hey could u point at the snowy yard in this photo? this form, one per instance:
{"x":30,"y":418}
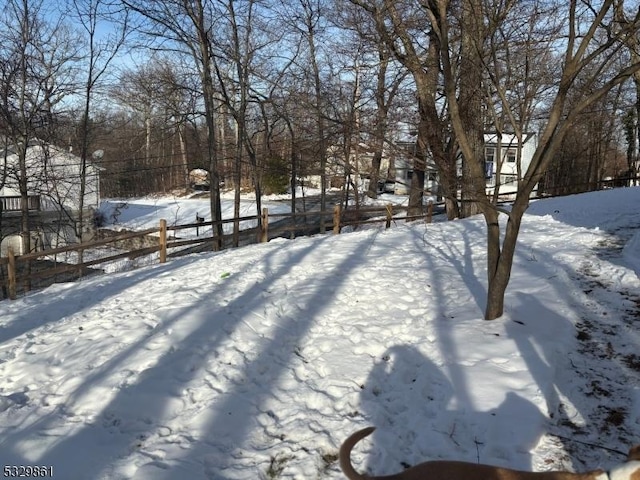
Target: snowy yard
{"x":142,"y":213}
{"x":257,"y":363}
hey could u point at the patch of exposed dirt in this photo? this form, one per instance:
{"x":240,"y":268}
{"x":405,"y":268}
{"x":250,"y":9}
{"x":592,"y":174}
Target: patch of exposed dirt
{"x":594,"y":423}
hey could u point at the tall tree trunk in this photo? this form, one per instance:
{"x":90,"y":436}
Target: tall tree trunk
{"x":500,"y":261}
{"x":25,"y":227}
{"x":208,"y":90}
{"x":416,"y":189}
{"x":374,"y":176}
{"x":184,"y":181}
{"x":294,"y":172}
{"x":471,"y":95}
{"x":320,"y":122}
{"x":382,"y":110}
{"x":237,"y":180}
{"x":632,"y":42}
{"x":633,"y":167}
{"x":432,"y":128}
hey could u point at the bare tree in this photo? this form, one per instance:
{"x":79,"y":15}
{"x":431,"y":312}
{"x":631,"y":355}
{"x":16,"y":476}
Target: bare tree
{"x":589,"y":149}
{"x":234,"y":63}
{"x":36,"y":64}
{"x":632,"y":122}
{"x":588,"y":52}
{"x":178,"y":100}
{"x":307,"y":19}
{"x":100,"y":54}
{"x":382,"y":82}
{"x":630,"y":126}
{"x":139,"y":90}
{"x":520,"y":67}
{"x":401,"y":28}
{"x":468,"y":85}
{"x":458,"y":57}
{"x":186,"y":26}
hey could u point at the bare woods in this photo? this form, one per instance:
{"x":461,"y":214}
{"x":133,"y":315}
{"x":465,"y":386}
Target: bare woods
{"x":270,"y":95}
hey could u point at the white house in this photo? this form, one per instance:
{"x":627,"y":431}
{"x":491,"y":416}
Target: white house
{"x":53,"y":183}
{"x":359,"y":165}
{"x":504,"y":160}
{"x":403,"y":167}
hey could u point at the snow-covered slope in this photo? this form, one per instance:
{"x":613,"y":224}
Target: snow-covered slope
{"x":257,"y":363}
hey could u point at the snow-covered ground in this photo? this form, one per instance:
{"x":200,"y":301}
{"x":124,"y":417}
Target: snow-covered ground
{"x":257,"y":363}
{"x":136,"y":214}
{"x":143,"y":213}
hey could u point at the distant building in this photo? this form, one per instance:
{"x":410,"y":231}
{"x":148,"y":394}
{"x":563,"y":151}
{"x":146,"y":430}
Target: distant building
{"x":357,"y":168}
{"x":504,"y":160}
{"x":53,"y":196}
{"x":403,"y":167}
{"x":501,"y":165}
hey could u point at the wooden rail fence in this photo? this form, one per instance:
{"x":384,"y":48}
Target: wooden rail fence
{"x":17,"y":272}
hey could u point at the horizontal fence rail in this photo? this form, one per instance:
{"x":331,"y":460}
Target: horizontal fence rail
{"x":33,"y":270}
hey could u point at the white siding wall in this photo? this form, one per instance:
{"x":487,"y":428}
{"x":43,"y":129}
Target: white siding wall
{"x":508,"y":174}
{"x":54,"y":174}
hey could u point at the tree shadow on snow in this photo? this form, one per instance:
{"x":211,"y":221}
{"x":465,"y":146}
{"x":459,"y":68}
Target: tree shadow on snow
{"x":41,"y":308}
{"x":421,"y":416}
{"x":595,"y":374}
{"x":568,"y":407}
{"x":457,"y":252}
{"x":587,"y":409}
{"x":138,"y":413}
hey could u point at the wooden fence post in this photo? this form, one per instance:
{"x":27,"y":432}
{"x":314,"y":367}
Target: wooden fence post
{"x":199,"y":220}
{"x":163,"y":241}
{"x":389,"y":215}
{"x":336,"y":219}
{"x":11,"y":273}
{"x":264,"y":228}
{"x":429,"y":212}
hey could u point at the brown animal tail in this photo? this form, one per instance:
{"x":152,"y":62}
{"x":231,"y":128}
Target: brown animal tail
{"x":345,"y":453}
{"x":634,"y":453}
